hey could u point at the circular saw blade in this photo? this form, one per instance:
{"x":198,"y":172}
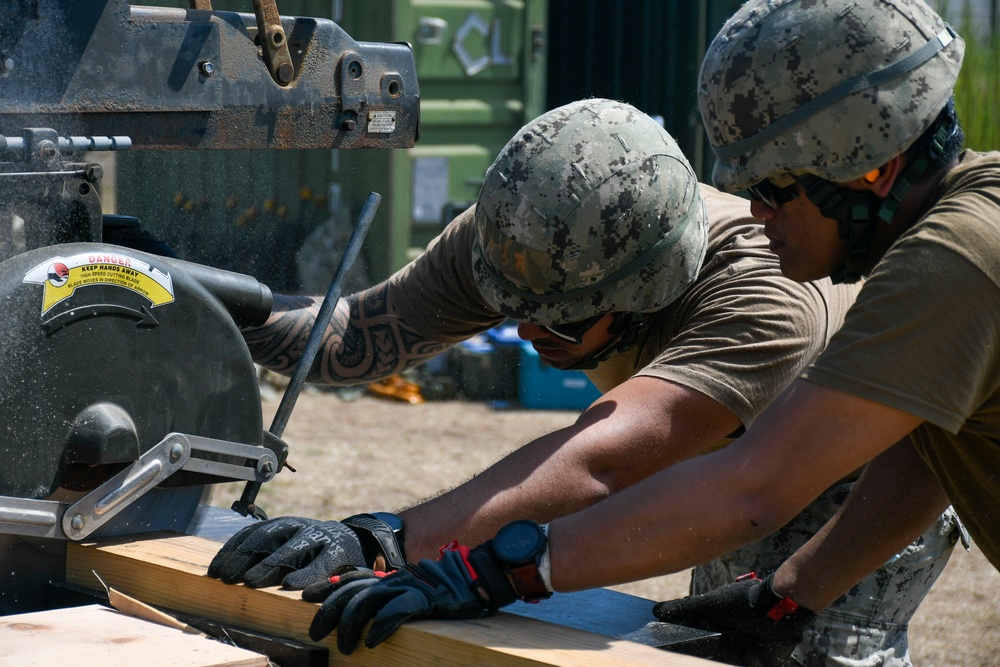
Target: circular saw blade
{"x":170,"y":509}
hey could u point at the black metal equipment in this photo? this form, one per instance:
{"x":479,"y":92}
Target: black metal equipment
{"x":173,"y":78}
{"x":127,"y":386}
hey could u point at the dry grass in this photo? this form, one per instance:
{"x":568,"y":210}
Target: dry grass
{"x":373,"y":454}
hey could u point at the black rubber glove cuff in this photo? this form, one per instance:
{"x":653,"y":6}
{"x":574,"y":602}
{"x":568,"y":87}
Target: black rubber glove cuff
{"x":780,"y":607}
{"x":492,"y":576}
{"x":381,"y":534}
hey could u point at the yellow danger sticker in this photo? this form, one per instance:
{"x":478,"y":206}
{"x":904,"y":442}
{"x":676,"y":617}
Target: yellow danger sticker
{"x":62,"y":276}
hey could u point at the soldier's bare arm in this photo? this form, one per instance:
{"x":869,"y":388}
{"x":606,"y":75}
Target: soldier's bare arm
{"x":700,"y":509}
{"x":630,"y":433}
{"x":895,"y":500}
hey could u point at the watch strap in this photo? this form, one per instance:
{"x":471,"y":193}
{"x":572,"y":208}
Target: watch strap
{"x":492,"y":576}
{"x":545,"y":562}
{"x":528,"y":582}
{"x":378,"y":538}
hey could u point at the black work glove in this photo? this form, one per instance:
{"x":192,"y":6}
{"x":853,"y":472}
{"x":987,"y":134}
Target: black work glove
{"x":759,"y":626}
{"x":292,"y":551}
{"x":461,"y":584}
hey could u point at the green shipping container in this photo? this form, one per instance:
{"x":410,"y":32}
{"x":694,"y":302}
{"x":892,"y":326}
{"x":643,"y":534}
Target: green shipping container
{"x":481,"y":69}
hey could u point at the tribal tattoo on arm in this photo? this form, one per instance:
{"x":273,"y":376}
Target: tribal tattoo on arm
{"x":365,"y":341}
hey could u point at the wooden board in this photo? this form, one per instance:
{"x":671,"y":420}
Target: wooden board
{"x":169,"y":571}
{"x":96,"y":636}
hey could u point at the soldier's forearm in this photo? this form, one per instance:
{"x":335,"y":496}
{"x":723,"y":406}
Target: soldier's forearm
{"x":365,"y":340}
{"x":895,"y":500}
{"x":278,"y":343}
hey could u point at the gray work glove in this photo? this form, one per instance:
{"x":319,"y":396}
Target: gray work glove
{"x":292,"y":551}
{"x":759,"y":627}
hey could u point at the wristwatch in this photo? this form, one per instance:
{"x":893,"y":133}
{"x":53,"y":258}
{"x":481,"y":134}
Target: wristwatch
{"x":519,"y":547}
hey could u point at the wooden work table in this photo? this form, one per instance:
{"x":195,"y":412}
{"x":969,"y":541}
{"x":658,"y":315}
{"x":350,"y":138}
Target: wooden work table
{"x":169,"y":571}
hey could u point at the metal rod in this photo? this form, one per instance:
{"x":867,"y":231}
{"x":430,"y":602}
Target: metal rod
{"x":325,"y":315}
{"x":246,"y":505}
{"x":116,"y":143}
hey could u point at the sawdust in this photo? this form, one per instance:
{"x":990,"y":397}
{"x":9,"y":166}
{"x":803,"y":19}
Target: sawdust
{"x":356,"y":453}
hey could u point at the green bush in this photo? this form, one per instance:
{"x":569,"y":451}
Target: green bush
{"x":977,"y":92}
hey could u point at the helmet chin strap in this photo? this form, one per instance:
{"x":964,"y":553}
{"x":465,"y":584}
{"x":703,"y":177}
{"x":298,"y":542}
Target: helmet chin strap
{"x":624,"y":332}
{"x":857,"y":212}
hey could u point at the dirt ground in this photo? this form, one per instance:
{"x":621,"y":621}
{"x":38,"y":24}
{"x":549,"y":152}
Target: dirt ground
{"x":357,"y":453}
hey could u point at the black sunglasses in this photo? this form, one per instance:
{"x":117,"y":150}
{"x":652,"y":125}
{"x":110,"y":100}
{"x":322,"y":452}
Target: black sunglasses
{"x":573,"y":332}
{"x":773,"y":195}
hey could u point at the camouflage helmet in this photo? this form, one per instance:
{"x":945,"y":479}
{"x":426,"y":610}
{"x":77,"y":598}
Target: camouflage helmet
{"x":833,"y":88}
{"x":591,"y":208}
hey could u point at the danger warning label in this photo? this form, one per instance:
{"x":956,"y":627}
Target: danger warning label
{"x":62,"y":276}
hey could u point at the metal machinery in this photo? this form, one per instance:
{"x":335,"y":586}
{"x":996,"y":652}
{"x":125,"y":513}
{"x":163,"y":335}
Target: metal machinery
{"x":126,"y":386}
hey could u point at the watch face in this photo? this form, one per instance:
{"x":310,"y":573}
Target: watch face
{"x":519,"y":542}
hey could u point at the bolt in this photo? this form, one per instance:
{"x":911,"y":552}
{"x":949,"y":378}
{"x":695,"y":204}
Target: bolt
{"x":93,"y":173}
{"x":77,"y":523}
{"x":206,"y":68}
{"x":348,"y":125}
{"x":285,"y":72}
{"x":47,"y":150}
{"x":176,"y":452}
{"x":266,"y":467}
{"x":7,"y":65}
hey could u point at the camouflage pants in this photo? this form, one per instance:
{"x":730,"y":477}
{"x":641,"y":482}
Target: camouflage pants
{"x":866,"y":627}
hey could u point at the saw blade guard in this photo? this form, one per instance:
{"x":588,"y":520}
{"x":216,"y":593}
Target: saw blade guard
{"x":108,"y":350}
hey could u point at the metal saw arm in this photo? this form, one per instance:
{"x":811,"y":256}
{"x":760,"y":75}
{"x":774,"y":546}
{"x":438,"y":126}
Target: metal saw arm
{"x":176,"y":452}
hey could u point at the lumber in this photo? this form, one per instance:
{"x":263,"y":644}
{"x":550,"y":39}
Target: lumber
{"x":96,"y":636}
{"x":169,"y":571}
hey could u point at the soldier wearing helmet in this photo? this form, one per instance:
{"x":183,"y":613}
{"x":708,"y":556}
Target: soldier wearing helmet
{"x":592,"y":232}
{"x":797,"y":106}
{"x":591,"y":228}
{"x":837,"y":117}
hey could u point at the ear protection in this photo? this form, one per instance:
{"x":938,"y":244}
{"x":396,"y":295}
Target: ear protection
{"x":873,"y":175}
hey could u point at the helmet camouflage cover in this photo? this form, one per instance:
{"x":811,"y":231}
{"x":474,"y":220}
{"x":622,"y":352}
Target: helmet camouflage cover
{"x":832,"y":88}
{"x":591,"y":208}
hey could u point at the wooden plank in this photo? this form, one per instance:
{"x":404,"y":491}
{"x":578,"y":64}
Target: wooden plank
{"x":169,"y":571}
{"x":95,"y":636}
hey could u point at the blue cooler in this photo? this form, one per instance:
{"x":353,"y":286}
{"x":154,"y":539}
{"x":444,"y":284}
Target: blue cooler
{"x":541,"y":387}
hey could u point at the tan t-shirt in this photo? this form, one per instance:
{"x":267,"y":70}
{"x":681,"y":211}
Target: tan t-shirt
{"x":924,"y":337}
{"x":740,"y":334}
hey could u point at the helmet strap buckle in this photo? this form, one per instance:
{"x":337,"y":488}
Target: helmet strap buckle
{"x":855,"y":213}
{"x":624,"y":332}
